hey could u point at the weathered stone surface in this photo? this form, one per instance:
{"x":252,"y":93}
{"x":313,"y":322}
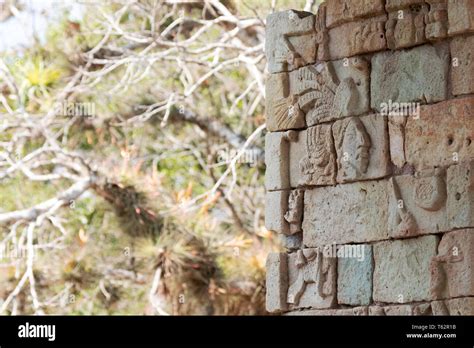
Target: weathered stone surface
{"x":436,"y":20}
{"x":311,"y":279}
{"x":462,"y":75}
{"x":460,"y":184}
{"x":416,"y":75}
{"x":282,"y":108}
{"x":276,"y":204}
{"x":406,"y":28}
{"x":343,"y":11}
{"x":277,"y":149}
{"x":402,"y":269}
{"x":327,"y":91}
{"x":277,"y":282}
{"x":460,"y":16}
{"x":452,"y":269}
{"x":418,"y":204}
{"x":356,"y":311}
{"x":290,"y":40}
{"x":396,"y":135}
{"x":456,"y":306}
{"x":442,"y":135}
{"x":292,"y":242}
{"x":354,"y":278}
{"x":408,"y":309}
{"x":312,"y":158}
{"x":349,"y":213}
{"x":356,"y":38}
{"x":362,"y":148}
{"x":392,"y":5}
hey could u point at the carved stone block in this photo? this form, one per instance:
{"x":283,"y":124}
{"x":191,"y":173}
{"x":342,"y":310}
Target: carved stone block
{"x":311,"y":279}
{"x":452,"y":269}
{"x":442,"y":135}
{"x":354,"y":278}
{"x":343,"y":11}
{"x":402,"y":269}
{"x":462,"y":76}
{"x":418,"y":204}
{"x":408,"y":309}
{"x":292,"y":40}
{"x":396,"y":135}
{"x":332,"y":90}
{"x":312,"y":158}
{"x":460,"y":16}
{"x":436,"y":20}
{"x":349,"y":213}
{"x":416,"y":75}
{"x":277,"y":282}
{"x":282,"y":108}
{"x":277,"y":150}
{"x":461,"y":195}
{"x":455,"y":306}
{"x":406,"y":28}
{"x":356,"y":38}
{"x":362,"y":148}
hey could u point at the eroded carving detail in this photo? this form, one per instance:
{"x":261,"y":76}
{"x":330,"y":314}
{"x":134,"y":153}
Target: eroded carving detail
{"x":353,"y":146}
{"x":405,"y":224}
{"x":294,"y":214}
{"x":312,"y":268}
{"x":436,"y":20}
{"x":367,"y":37}
{"x":294,"y":39}
{"x":406,"y":28}
{"x":430,"y":190}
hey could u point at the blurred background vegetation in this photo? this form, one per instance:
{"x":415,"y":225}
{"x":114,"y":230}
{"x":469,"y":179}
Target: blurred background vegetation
{"x":157,"y":231}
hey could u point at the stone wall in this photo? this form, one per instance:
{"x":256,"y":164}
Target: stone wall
{"x":370,"y":161}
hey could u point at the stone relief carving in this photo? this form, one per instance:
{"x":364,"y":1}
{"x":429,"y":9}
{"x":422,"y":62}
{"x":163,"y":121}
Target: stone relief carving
{"x":294,"y":214}
{"x":318,"y":165}
{"x":331,"y":90}
{"x":452,"y":272}
{"x":425,"y":211}
{"x":356,"y":38}
{"x":404,"y":224}
{"x":342,"y":11}
{"x":353,"y":144}
{"x":406,"y":27}
{"x":430,"y":192}
{"x":288,"y":40}
{"x":282,"y":109}
{"x":308,"y":267}
{"x":436,"y":20}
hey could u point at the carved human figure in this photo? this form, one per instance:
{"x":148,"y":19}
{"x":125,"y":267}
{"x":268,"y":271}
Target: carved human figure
{"x":406,"y":28}
{"x":312,"y":267}
{"x":367,"y":36}
{"x":354,"y":144}
{"x":294,"y":214}
{"x":317,"y":166}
